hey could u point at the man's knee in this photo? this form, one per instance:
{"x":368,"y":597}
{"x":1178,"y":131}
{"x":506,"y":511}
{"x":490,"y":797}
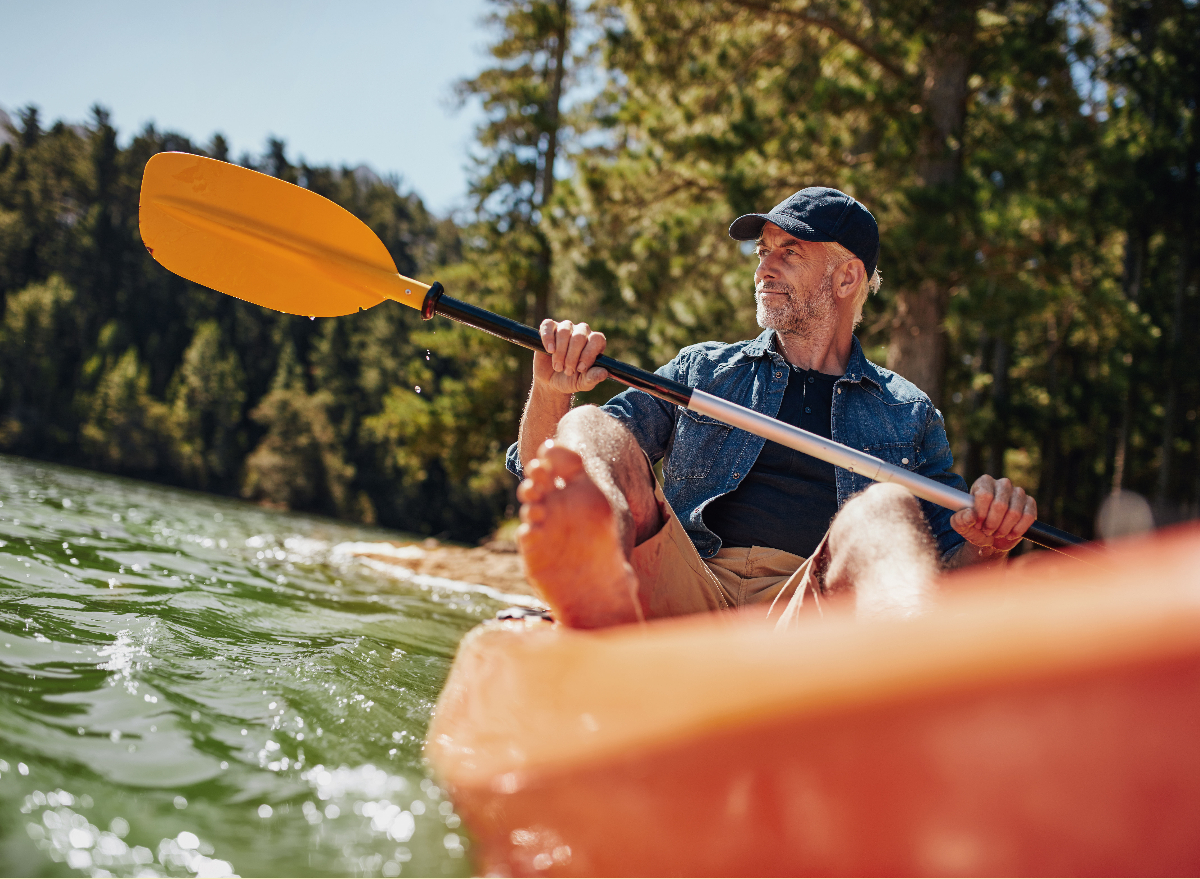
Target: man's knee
{"x":880,"y":501}
{"x":587,"y":421}
{"x":880,"y":546}
{"x":613,"y":459}
{"x":880,"y":514}
{"x":591,"y":430}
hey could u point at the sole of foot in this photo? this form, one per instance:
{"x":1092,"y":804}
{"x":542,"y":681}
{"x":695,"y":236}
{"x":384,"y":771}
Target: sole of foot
{"x":569,"y":543}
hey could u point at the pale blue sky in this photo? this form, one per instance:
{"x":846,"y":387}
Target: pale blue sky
{"x":346,"y":82}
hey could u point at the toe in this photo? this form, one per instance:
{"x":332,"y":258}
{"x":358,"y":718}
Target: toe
{"x":540,"y":474}
{"x":563,"y":463}
{"x":533,"y":514}
{"x":530,"y":492}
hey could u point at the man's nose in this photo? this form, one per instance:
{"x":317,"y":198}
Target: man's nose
{"x":767,"y":268}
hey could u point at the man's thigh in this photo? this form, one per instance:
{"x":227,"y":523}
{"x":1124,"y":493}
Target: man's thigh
{"x":672,"y":578}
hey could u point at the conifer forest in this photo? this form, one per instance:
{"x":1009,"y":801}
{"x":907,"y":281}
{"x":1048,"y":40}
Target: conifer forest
{"x":1033,"y":167}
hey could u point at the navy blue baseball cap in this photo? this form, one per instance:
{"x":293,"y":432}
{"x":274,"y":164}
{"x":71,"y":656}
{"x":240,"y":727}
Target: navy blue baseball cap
{"x":818,"y":213}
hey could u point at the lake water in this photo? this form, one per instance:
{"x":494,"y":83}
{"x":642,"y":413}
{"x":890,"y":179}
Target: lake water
{"x":191,"y":686}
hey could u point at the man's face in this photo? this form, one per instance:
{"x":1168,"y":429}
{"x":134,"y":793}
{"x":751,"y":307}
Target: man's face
{"x":793,"y":288}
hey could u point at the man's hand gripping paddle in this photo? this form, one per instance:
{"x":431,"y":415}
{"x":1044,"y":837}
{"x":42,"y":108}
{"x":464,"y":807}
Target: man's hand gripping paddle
{"x":288,"y":249}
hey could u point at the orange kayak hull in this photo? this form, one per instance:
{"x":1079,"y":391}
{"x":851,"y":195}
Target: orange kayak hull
{"x":1039,"y":722}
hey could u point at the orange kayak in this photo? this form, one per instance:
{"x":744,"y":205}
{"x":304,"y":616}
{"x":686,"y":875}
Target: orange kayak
{"x":1042,"y":721}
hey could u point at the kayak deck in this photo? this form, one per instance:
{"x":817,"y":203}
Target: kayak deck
{"x":1041,"y":721}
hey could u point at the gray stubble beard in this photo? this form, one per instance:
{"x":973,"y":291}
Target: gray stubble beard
{"x":799,"y":316}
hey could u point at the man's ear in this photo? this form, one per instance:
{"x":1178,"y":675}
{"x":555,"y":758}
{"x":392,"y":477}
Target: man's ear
{"x":848,"y":277}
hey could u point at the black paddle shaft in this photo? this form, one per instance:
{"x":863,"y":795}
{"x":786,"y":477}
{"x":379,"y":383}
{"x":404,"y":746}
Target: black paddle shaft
{"x":528,"y":337}
{"x":436,"y":302}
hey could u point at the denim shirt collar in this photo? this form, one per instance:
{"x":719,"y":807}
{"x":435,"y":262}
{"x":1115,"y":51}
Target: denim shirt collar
{"x":857,"y":368}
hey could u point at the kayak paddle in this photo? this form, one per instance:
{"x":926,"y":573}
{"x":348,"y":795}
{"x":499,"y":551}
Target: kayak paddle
{"x":286,"y":248}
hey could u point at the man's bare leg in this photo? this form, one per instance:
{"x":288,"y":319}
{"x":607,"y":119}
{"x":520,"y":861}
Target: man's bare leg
{"x":587,"y":500}
{"x":882,"y":553}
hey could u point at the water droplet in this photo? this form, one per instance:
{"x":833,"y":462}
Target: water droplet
{"x":181,"y":802}
{"x":312,"y":317}
{"x":265,"y":811}
{"x":417,"y":389}
{"x":426,"y":355}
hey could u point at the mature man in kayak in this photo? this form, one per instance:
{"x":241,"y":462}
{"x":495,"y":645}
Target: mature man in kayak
{"x":741,"y":522}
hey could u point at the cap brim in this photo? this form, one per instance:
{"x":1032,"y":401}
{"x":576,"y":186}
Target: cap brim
{"x":747,"y":227}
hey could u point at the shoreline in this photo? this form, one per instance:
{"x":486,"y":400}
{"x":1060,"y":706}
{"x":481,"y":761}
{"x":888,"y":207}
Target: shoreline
{"x":496,"y":564}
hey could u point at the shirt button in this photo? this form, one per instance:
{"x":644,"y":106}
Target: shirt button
{"x":839,"y":390}
{"x":810,"y":379}
{"x":737,"y":476}
{"x":904,"y":460}
{"x":779,"y":375}
{"x":808,"y":408}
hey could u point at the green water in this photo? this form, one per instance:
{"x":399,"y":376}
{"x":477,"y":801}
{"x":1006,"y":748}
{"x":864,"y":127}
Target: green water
{"x":194,"y":686}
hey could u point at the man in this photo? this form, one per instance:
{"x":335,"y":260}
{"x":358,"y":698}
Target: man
{"x":740,"y":522}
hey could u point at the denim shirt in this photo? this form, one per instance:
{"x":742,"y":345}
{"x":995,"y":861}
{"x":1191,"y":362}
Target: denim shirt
{"x":873,"y":409}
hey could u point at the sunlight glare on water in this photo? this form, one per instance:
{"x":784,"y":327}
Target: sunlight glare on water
{"x":192,"y":686}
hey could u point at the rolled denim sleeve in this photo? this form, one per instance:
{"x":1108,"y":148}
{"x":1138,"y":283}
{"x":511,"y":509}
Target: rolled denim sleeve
{"x":649,"y":419}
{"x":938,"y":461}
{"x":513,"y":462}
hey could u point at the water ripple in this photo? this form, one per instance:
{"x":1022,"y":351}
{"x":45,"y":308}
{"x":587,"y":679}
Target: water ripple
{"x":195,"y":686}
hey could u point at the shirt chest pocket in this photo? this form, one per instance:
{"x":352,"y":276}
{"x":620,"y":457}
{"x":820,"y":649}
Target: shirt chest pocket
{"x":904,"y":455}
{"x":699,"y":442}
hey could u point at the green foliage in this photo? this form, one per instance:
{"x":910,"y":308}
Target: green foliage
{"x":207,"y":399}
{"x":1004,"y":198}
{"x":124,"y":429}
{"x":109,"y":361}
{"x":37,"y":320}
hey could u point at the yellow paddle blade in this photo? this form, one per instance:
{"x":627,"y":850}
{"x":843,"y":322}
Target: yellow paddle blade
{"x":265,"y":240}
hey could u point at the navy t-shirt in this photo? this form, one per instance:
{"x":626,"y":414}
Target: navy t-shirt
{"x":788,"y":498}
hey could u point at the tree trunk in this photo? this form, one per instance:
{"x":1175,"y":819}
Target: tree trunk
{"x":1000,"y":408}
{"x":1050,"y":477}
{"x":1173,"y":356}
{"x":1135,"y":261}
{"x":541,"y":303}
{"x":1174,"y":352}
{"x":917,"y":348}
{"x":973,"y":462}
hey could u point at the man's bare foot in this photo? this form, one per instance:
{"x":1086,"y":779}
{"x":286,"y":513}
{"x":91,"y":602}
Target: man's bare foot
{"x":570,"y":545}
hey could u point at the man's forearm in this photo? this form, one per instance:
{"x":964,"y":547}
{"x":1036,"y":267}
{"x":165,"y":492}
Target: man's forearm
{"x":539,"y":422}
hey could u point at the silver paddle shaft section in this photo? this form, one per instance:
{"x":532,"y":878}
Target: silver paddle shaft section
{"x":828,"y":451}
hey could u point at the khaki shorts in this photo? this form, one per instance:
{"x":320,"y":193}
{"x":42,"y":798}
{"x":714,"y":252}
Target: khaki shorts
{"x":674,"y":580}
